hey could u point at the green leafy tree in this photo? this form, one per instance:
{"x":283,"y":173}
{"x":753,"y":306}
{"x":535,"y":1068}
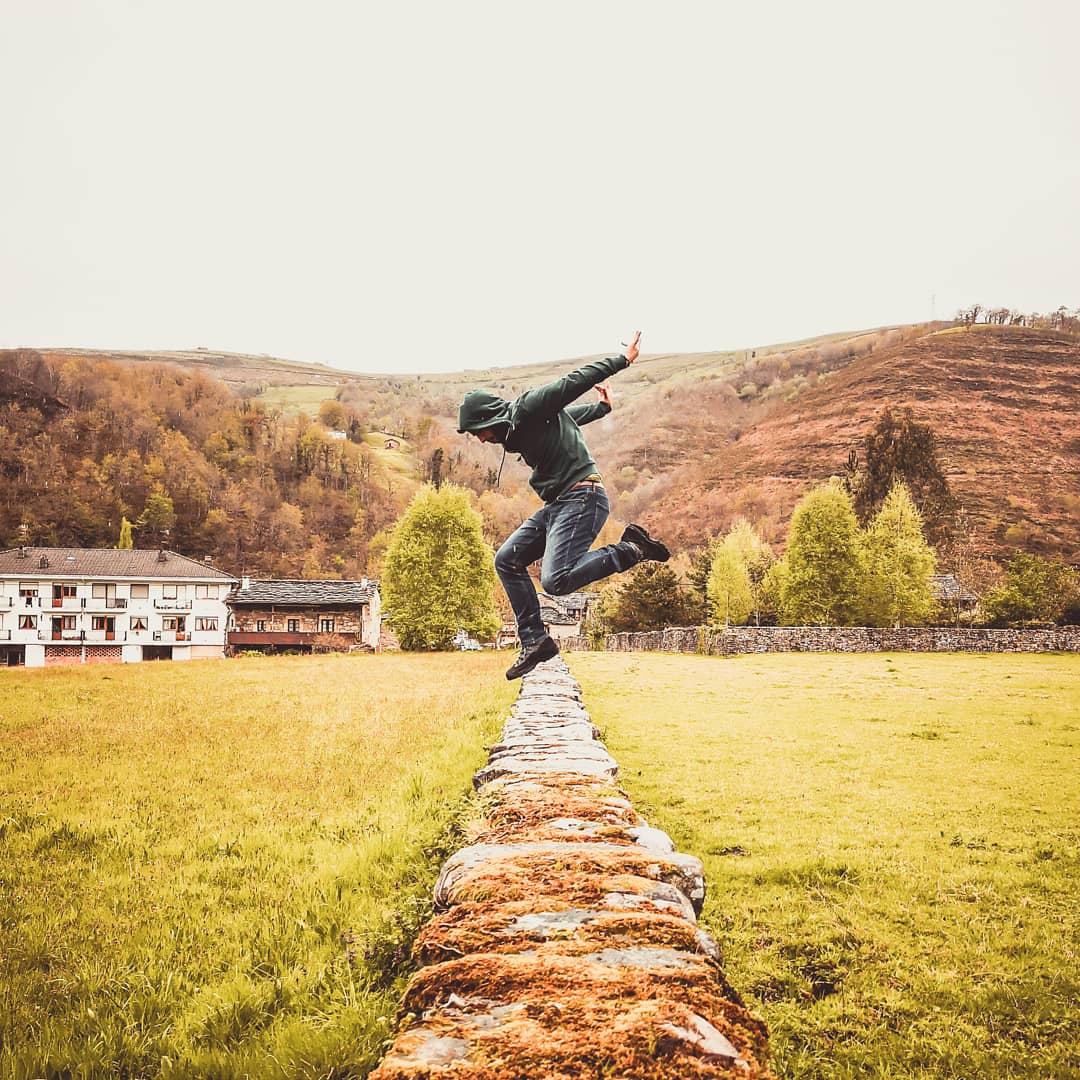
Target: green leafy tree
{"x":1035,"y":590}
{"x":821,"y":579}
{"x":125,"y":543}
{"x":649,"y":598}
{"x":729,"y":590}
{"x":158,"y":517}
{"x":439,"y":574}
{"x":897,"y":565}
{"x":740,"y":564}
{"x":900,"y":450}
{"x":697,"y":576}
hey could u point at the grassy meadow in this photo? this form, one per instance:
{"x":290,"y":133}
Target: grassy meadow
{"x":891,"y":842}
{"x":215,"y":869}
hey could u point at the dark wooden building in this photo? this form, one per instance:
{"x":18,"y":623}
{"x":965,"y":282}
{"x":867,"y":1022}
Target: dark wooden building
{"x":302,"y":616}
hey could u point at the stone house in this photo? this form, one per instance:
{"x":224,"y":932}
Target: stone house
{"x":297,"y":615}
{"x":104,"y":605}
{"x":956,"y":600}
{"x":564,"y":615}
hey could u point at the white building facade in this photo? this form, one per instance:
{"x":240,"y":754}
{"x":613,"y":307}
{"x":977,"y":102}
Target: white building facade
{"x":61,"y":606}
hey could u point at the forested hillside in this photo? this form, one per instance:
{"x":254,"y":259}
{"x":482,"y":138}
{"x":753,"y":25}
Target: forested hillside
{"x":299,"y":470}
{"x":1002,"y":400}
{"x":190,"y":463}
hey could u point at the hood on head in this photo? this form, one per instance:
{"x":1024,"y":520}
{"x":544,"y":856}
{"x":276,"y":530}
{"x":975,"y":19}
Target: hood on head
{"x":481,"y":409}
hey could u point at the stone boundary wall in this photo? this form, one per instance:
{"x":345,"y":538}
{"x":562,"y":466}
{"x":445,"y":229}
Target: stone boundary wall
{"x":565,"y":943}
{"x":738,"y":640}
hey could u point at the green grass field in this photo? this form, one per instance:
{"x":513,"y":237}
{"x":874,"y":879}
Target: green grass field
{"x":294,"y":399}
{"x":215,"y":869}
{"x":892,"y":845}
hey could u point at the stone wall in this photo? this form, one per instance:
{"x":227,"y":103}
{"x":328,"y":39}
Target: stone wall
{"x":737,"y":640}
{"x":565,"y":944}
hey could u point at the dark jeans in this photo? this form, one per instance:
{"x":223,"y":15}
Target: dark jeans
{"x":562,"y":532}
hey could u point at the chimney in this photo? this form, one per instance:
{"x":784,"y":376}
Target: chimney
{"x":22,"y":553}
{"x":162,"y":555}
{"x":207,"y":560}
{"x":43,"y":562}
{"x":245,"y":582}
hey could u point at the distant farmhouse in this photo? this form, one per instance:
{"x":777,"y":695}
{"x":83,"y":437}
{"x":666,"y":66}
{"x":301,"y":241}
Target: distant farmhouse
{"x":955,"y":599}
{"x":302,"y":616}
{"x":563,"y":616}
{"x":104,"y":605}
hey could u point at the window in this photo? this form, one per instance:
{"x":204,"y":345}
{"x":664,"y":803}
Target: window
{"x":28,"y":588}
{"x":103,"y":622}
{"x":63,"y":592}
{"x":206,"y":623}
{"x":27,"y":622}
{"x":326,"y":626}
{"x":169,"y":591}
{"x":260,"y":626}
{"x":64,"y":622}
{"x":294,"y":626}
{"x":171,"y":622}
{"x":102,"y":591}
{"x":206,"y":592}
{"x":138,"y":622}
{"x":140,"y":592}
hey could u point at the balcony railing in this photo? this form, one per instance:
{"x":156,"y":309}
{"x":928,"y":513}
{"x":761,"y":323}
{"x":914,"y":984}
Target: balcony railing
{"x":172,"y":605}
{"x":7,"y":601}
{"x":61,"y":635}
{"x":5,"y":635}
{"x":61,"y":603}
{"x":103,"y":635}
{"x":170,"y":635}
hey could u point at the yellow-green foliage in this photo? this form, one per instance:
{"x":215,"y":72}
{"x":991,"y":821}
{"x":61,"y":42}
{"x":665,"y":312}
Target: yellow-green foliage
{"x":439,"y":573}
{"x":821,"y":581}
{"x":215,"y":869}
{"x":891,"y":843}
{"x":897,"y":564}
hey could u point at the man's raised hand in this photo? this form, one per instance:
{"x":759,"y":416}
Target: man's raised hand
{"x":603,"y":391}
{"x":631,"y":352}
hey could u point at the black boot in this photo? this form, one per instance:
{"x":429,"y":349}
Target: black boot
{"x":650,"y":549}
{"x":531,"y":655}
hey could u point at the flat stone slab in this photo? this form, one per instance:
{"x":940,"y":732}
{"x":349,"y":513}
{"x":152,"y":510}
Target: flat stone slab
{"x":580,"y":766}
{"x":683,"y":872}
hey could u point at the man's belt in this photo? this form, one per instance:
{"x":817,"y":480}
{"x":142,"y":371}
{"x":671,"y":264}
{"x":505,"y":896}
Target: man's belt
{"x":592,"y":480}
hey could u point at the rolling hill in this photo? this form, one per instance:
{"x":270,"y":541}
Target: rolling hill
{"x":698,"y":439}
{"x":1003,"y":402}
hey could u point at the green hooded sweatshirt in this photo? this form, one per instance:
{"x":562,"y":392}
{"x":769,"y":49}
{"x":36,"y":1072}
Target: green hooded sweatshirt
{"x":543,"y":427}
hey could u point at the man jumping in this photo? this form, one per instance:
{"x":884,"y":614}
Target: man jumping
{"x":544,"y":428}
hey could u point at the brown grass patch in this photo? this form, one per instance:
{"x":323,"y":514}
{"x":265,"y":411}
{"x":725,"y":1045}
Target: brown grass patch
{"x":478,"y":927}
{"x":580,"y":875}
{"x":576,"y":1020}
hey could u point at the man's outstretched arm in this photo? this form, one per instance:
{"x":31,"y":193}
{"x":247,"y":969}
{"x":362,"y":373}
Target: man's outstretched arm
{"x":548,"y":400}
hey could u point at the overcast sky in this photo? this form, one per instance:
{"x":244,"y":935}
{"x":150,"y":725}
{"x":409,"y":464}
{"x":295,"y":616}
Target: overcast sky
{"x":411,"y":186}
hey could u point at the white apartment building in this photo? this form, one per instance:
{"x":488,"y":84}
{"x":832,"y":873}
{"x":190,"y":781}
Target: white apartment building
{"x":103,"y":605}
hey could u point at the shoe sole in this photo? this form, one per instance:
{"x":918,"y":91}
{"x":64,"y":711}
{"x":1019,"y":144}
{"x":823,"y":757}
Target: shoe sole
{"x":653,"y":550}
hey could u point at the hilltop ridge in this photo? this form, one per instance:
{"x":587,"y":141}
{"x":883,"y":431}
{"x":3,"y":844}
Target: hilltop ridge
{"x":1002,"y":401}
